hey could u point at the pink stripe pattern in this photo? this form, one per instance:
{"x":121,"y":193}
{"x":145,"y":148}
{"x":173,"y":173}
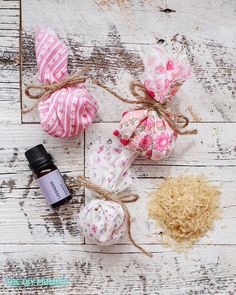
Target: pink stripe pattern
{"x":69,"y":111}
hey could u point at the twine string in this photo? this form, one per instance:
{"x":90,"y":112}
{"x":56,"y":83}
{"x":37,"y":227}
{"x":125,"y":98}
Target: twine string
{"x":143,"y":98}
{"x":46,"y":90}
{"x":105,"y":194}
{"x":137,"y":89}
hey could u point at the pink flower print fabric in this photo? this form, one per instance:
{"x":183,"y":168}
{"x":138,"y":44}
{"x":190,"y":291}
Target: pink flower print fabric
{"x":146,"y":134}
{"x":109,"y":166}
{"x":103,"y":222}
{"x":67,"y":112}
{"x":144,"y":131}
{"x":164,"y":75}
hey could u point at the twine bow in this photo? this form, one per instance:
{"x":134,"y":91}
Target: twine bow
{"x":104,"y":194}
{"x":48,"y":89}
{"x":143,"y":98}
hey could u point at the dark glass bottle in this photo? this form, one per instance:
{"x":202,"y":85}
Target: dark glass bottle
{"x":48,"y":176}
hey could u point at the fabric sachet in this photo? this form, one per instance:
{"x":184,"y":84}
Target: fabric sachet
{"x":147,"y":131}
{"x":104,"y":221}
{"x":71,"y":109}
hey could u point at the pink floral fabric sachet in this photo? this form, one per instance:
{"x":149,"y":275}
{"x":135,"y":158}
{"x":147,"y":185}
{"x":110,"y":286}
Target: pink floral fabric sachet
{"x":144,"y":131}
{"x":164,"y":75}
{"x":102,"y":221}
{"x":66,"y":112}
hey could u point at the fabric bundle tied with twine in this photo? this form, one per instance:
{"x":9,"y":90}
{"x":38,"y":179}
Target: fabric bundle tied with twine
{"x":106,"y":220}
{"x":65,"y":105}
{"x":151,"y":129}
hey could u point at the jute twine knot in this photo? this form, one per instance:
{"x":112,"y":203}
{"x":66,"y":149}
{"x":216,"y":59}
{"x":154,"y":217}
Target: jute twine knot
{"x":105,"y":194}
{"x":48,"y":89}
{"x":176,"y":122}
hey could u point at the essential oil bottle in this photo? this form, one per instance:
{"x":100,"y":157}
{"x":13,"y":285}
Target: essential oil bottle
{"x":48,"y":176}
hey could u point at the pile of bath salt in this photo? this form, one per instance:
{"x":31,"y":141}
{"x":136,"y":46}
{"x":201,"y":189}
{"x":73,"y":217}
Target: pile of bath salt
{"x":185,"y":208}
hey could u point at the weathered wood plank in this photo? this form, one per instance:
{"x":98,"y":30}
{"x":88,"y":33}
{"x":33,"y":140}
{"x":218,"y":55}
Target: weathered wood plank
{"x":10,"y":111}
{"x":24,"y":209}
{"x":115,"y":42}
{"x":23,"y":205}
{"x":114,"y":37}
{"x":28,"y":218}
{"x":16,"y":139}
{"x":144,"y":230}
{"x":207,"y":270}
{"x":9,"y":62}
{"x":22,"y":196}
{"x":201,"y":154}
{"x":214,"y":145}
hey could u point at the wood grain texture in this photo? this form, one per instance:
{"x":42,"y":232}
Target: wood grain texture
{"x":192,"y":155}
{"x":214,"y":145}
{"x":9,"y":62}
{"x":114,"y":37}
{"x":115,"y":42}
{"x":118,"y":270}
{"x":21,"y":196}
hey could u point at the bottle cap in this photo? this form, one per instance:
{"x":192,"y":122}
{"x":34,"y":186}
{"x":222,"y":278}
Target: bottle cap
{"x":38,"y":157}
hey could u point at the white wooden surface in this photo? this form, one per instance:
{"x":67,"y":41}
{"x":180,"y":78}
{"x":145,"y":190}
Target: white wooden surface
{"x":114,"y":37}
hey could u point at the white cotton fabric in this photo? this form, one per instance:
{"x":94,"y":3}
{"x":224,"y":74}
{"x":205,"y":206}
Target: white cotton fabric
{"x":102,"y":221}
{"x":109,"y":166}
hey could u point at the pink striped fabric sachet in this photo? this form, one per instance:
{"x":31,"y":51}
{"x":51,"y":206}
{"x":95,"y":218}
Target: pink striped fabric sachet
{"x":66,"y":112}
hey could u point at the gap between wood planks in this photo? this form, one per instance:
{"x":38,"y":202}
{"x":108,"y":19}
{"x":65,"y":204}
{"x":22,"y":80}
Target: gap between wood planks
{"x":20,"y":60}
{"x":119,"y":245}
{"x":20,"y":41}
{"x":216,"y":108}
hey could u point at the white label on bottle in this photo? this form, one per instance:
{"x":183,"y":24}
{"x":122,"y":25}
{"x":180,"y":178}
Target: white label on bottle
{"x":53,"y":187}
